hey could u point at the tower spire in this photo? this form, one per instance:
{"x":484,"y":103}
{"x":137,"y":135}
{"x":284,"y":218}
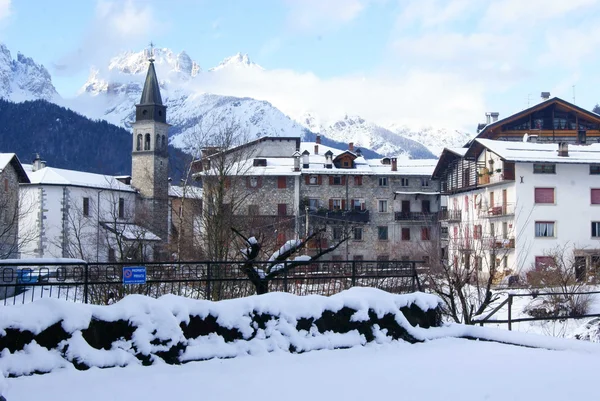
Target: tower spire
{"x":151,"y":52}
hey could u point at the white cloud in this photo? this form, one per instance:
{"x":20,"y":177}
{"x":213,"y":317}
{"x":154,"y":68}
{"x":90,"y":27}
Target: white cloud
{"x":416,"y":99}
{"x":5,"y":9}
{"x":307,"y":15}
{"x":117,"y":25}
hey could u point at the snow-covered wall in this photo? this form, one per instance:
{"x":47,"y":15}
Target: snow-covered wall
{"x":50,"y":334}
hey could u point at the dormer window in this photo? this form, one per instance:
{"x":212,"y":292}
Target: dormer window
{"x":260,"y":162}
{"x":386,"y":160}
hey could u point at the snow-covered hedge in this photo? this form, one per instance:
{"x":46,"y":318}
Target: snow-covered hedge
{"x":50,"y":334}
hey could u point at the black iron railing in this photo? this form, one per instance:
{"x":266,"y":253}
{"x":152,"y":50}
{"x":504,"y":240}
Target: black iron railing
{"x":104,"y":283}
{"x":357,"y":216}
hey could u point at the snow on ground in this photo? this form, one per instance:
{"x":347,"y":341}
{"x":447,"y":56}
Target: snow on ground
{"x":445,"y":369}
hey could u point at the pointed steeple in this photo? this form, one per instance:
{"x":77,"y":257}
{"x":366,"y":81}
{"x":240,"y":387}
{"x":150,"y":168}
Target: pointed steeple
{"x":151,"y":106}
{"x":151,"y":92}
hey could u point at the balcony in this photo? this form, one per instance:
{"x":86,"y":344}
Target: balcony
{"x":501,"y":243}
{"x":507,"y":209}
{"x":490,"y":175}
{"x":425,"y":217}
{"x":354,"y":216}
{"x":450,"y":215}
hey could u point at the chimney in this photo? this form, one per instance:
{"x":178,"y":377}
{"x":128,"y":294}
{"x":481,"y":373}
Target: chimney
{"x":563,"y":149}
{"x":545,"y":95}
{"x":318,"y":140}
{"x":394,"y":164}
{"x":358,"y":152}
{"x":305,"y":162}
{"x":494,"y":115}
{"x":316,"y":149}
{"x":488,"y":118}
{"x":296,"y":157}
{"x":351,"y":146}
{"x":328,"y":159}
{"x":37,"y":163}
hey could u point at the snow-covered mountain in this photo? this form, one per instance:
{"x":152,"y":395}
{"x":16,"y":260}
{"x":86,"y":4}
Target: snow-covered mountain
{"x":22,"y":79}
{"x":365,"y":134}
{"x":112,"y":94}
{"x":434,"y":139}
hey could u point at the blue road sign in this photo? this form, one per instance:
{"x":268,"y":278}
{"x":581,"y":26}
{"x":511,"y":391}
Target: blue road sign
{"x":134,"y":275}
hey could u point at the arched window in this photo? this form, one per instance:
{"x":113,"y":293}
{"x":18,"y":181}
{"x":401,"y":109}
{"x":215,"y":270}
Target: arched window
{"x":147,"y":142}
{"x":164,"y":142}
{"x":139,"y":142}
{"x":157,"y":143}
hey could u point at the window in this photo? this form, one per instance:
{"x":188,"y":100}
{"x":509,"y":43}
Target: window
{"x":138,"y":145}
{"x":121,"y":208}
{"x":112,"y":257}
{"x":595,"y":169}
{"x":313,"y":204}
{"x":383,"y":181}
{"x":477,"y":231}
{"x":492,"y":230}
{"x":425,"y":233}
{"x":253,"y":182}
{"x":596,"y":229}
{"x":282,"y":209}
{"x":337,"y":180}
{"x":281,"y":182}
{"x":382,"y":233}
{"x":358,"y":180}
{"x":337,"y":232}
{"x":595,"y":195}
{"x":425,"y":206}
{"x":86,"y":207}
{"x":147,"y":142}
{"x":424,"y":182}
{"x":444,"y":231}
{"x":544,"y":229}
{"x":544,"y":195}
{"x":157,"y":145}
{"x":406,"y":234}
{"x":478,"y":263}
{"x":544,"y":168}
{"x":335,"y":204}
{"x":253,"y":210}
{"x":358,"y":204}
{"x":383,"y":206}
{"x":313,"y":180}
{"x":358,"y":233}
{"x":404,"y":182}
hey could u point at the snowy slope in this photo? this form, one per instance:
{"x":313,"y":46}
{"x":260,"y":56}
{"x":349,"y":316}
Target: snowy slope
{"x":366,"y":134}
{"x":434,"y":139}
{"x":112,"y":94}
{"x":22,"y":79}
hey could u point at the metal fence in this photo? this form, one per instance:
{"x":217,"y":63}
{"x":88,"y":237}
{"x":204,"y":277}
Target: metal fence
{"x":104,"y":283}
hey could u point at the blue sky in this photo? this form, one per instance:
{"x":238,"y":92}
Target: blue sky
{"x":444,"y":60}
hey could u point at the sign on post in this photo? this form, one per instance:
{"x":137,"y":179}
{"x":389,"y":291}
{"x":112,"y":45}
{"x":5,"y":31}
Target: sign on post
{"x":134,"y":275}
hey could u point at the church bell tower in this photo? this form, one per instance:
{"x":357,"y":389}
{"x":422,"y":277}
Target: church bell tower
{"x":150,"y":158}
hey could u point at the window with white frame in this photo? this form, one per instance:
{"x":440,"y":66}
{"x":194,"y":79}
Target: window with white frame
{"x":382,"y":205}
{"x":544,"y":229}
{"x":596,"y":229}
{"x":404,"y":182}
{"x":424,"y":182}
{"x":383,"y":181}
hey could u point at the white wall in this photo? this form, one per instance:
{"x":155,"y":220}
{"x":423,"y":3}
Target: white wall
{"x":572,"y":211}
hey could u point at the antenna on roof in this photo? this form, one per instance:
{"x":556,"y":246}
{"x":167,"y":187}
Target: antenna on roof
{"x":151,"y":52}
{"x":574,"y":94}
{"x":528,"y":99}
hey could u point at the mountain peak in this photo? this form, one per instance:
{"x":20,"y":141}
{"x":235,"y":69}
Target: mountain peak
{"x":238,"y":60}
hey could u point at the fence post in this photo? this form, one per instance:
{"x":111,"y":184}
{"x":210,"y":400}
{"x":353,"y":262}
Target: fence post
{"x":85,"y":283}
{"x":285,"y":283}
{"x":510,"y":297}
{"x":353,"y":273}
{"x":208,"y":278}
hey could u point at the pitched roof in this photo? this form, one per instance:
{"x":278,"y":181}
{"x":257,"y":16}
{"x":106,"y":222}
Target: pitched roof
{"x":447,"y":156}
{"x":542,"y":152}
{"x":151,"y":92}
{"x":58,"y":176}
{"x":555,"y":100}
{"x":13,"y":160}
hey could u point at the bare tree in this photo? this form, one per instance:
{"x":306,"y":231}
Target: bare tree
{"x":14,"y":235}
{"x":279,"y":262}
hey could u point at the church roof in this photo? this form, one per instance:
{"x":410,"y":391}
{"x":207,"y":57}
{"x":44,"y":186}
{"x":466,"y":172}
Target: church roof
{"x":151,"y":92}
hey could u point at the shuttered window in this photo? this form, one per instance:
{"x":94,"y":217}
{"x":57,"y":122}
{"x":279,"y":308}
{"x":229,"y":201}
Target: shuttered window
{"x":358,"y":180}
{"x":595,"y":196}
{"x":281,"y":182}
{"x":282,"y":209}
{"x":595,"y":229}
{"x":544,"y":195}
{"x":406,"y":234}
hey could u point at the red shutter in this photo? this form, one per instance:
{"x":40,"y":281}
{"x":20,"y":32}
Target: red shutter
{"x":343,"y":204}
{"x":455,"y":231}
{"x":259,"y":182}
{"x":282,"y":209}
{"x":343,"y":180}
{"x":281,"y":182}
{"x":247,"y":182}
{"x":307,"y":179}
{"x":595,"y":196}
{"x":330,"y":180}
{"x":352,"y":207}
{"x":319,"y":180}
{"x":358,"y":180}
{"x":544,"y":195}
{"x":330,"y":204}
{"x":475,"y":233}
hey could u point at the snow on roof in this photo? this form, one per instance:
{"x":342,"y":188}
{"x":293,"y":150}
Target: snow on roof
{"x":542,"y":152}
{"x":189,"y":192}
{"x":458,"y":151}
{"x":58,"y":176}
{"x":5,"y":158}
{"x":131,"y":232}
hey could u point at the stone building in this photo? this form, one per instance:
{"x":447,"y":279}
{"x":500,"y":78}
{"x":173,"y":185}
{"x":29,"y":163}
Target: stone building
{"x":388,"y":208}
{"x":11,"y":175}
